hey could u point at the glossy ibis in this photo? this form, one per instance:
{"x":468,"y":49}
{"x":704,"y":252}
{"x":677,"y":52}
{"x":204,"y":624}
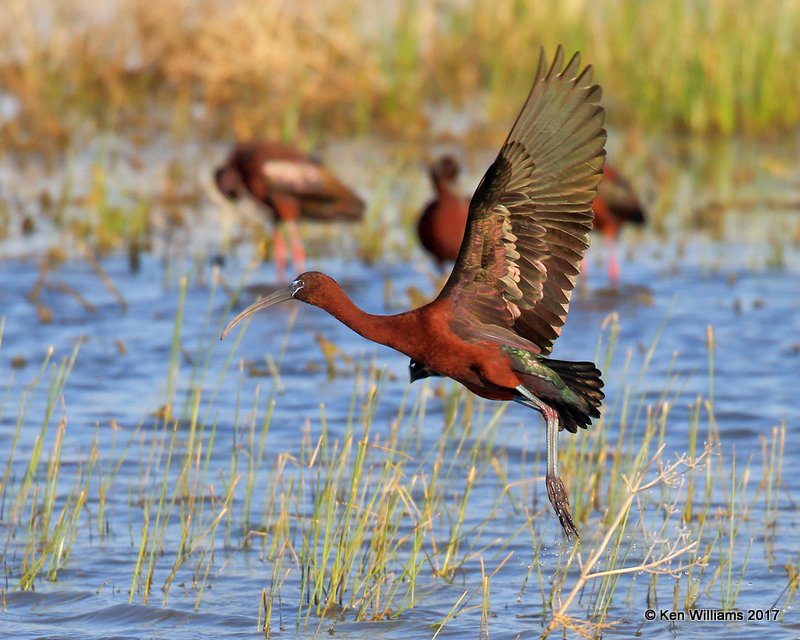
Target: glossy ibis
{"x":615,"y":205}
{"x":494,"y":323}
{"x":441,"y":225}
{"x":291,"y":185}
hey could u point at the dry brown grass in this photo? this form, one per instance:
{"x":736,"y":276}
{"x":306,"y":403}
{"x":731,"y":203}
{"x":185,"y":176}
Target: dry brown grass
{"x":270,"y":67}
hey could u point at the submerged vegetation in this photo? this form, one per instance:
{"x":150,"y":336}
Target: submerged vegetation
{"x":266,"y":67}
{"x":363,"y":517}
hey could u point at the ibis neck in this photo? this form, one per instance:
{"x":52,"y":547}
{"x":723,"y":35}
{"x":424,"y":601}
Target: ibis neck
{"x":445,"y":187}
{"x":392,"y":331}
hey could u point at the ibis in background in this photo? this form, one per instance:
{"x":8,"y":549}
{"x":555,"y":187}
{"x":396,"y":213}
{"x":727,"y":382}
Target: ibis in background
{"x":615,"y":205}
{"x":292,"y":186}
{"x":441,"y":225}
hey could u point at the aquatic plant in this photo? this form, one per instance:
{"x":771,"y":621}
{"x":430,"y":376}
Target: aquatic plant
{"x":366,"y":517}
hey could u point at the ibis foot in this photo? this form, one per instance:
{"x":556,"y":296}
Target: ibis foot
{"x":557,"y":493}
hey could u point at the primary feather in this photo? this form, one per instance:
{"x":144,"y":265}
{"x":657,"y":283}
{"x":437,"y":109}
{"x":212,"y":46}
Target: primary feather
{"x":530,"y":218}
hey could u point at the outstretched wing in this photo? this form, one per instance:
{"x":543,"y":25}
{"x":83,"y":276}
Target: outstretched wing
{"x":530,"y":218}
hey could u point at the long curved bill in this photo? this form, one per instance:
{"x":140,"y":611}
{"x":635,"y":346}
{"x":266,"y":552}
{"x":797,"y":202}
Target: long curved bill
{"x":274,"y":298}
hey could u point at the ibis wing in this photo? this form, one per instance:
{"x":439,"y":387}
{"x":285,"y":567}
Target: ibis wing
{"x":530,"y":218}
{"x":323,"y":195}
{"x":300,"y":177}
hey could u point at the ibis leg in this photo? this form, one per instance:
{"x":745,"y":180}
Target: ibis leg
{"x":584,"y":273}
{"x":556,"y":490}
{"x":298,"y":254}
{"x":279,"y":252}
{"x":613,"y":265}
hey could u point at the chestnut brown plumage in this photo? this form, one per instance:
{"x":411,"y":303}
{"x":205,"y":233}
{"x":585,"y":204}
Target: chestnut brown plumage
{"x":441,"y":225}
{"x":292,"y":185}
{"x":493,"y":325}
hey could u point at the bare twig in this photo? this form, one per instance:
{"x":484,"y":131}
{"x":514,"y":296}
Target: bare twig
{"x":666,"y":475}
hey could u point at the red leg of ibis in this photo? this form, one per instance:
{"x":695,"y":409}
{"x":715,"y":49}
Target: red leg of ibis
{"x":582,"y":283}
{"x":298,"y":254}
{"x":556,"y":490}
{"x":613,"y":265}
{"x":279,"y":253}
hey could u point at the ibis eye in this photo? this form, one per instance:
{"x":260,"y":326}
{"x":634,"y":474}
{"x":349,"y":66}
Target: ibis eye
{"x":296,"y":286}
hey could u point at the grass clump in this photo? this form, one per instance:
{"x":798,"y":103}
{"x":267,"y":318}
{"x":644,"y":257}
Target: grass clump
{"x":370,"y":515}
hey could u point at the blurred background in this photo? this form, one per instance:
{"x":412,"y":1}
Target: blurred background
{"x":120,"y":262}
{"x":112,"y":118}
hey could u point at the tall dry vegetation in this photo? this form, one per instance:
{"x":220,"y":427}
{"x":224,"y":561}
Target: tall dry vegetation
{"x":274,"y":67}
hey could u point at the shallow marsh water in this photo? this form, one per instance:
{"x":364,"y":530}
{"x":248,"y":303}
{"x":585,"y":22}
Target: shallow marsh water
{"x":123,"y":375}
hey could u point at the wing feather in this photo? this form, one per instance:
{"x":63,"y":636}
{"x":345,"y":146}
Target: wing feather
{"x":531,"y":215}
